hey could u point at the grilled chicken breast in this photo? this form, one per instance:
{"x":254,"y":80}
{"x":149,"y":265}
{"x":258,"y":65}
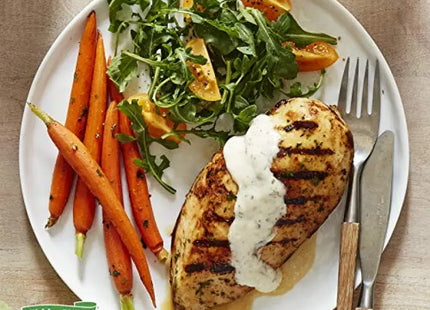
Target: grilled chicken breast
{"x":314,"y":160}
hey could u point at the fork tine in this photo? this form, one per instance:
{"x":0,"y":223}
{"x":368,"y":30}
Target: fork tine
{"x":376,"y":108}
{"x":354,"y":98}
{"x":365,"y":107}
{"x":341,"y":105}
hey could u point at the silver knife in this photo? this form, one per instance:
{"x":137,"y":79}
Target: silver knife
{"x":376,"y":184}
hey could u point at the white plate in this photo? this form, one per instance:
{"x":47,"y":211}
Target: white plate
{"x":89,"y":279}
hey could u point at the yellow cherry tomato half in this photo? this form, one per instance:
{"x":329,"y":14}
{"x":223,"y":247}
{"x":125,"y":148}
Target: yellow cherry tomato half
{"x":315,"y":56}
{"x":158,"y":123}
{"x":187,"y":4}
{"x":205,"y":84}
{"x":270,"y":8}
{"x":282,"y":4}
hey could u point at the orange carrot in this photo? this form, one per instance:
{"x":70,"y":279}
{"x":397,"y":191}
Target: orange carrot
{"x":117,"y":255}
{"x":62,"y":178}
{"x":85,"y":203}
{"x":139,"y":194}
{"x":137,"y":186}
{"x":82,"y":162}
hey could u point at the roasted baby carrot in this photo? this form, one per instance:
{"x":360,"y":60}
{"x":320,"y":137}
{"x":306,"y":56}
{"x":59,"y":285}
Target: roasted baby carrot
{"x":118,"y":258}
{"x":139,"y":194}
{"x":62,"y":178}
{"x":137,"y":186}
{"x":82,"y":162}
{"x":85,"y":203}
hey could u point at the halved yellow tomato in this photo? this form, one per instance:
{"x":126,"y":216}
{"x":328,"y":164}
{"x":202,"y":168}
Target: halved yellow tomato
{"x":187,"y":4}
{"x":282,"y":4}
{"x":270,"y":8}
{"x":205,"y":85}
{"x":158,"y":124}
{"x":315,"y":56}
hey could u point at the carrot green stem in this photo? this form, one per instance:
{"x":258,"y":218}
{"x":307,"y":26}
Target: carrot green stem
{"x":40,"y":114}
{"x":126,"y":302}
{"x":79,"y":245}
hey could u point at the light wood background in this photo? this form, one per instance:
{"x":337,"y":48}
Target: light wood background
{"x":400,"y":28}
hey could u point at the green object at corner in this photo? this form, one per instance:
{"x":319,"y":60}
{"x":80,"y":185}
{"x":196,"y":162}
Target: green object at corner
{"x":80,"y":305}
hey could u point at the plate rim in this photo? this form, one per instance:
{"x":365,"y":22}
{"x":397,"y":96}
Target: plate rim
{"x":94,"y":3}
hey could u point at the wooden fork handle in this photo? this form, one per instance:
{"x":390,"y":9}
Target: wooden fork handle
{"x":347,"y":263}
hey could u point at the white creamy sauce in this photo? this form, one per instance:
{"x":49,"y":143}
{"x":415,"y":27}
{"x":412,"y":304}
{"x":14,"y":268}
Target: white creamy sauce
{"x":259,"y":203}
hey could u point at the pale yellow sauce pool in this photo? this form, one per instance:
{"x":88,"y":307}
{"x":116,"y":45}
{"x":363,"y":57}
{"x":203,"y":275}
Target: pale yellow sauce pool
{"x":168,"y":302}
{"x":292,"y":272}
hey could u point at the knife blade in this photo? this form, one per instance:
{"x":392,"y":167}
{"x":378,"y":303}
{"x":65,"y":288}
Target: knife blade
{"x":376,"y":185}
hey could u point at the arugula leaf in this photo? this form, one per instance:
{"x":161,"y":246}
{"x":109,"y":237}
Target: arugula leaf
{"x":299,"y":36}
{"x":289,"y":68}
{"x":123,"y":138}
{"x":134,"y":112}
{"x":188,"y":113}
{"x":220,"y":136}
{"x":168,"y":144}
{"x":115,"y":6}
{"x":141,"y":164}
{"x":280,"y":59}
{"x":246,"y":35}
{"x":182,"y":72}
{"x":282,"y":24}
{"x":246,"y":15}
{"x":216,"y":38}
{"x":122,"y":70}
{"x":242,"y":120}
{"x":296,"y":88}
{"x":165,"y":163}
{"x":264,"y":33}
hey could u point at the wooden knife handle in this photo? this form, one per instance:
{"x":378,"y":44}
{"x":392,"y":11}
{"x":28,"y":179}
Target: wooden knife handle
{"x":347,"y":262}
{"x":363,"y":309}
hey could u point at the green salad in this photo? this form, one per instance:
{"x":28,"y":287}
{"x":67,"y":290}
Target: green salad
{"x":246,"y":53}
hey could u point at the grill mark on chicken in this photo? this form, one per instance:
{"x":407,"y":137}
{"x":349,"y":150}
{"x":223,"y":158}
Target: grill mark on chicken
{"x":301,"y":200}
{"x":212,"y":216}
{"x":318,"y":151}
{"x":283,"y":241}
{"x":278,"y":104}
{"x":216,"y":268}
{"x":221,"y":268}
{"x":288,"y":221}
{"x":207,"y":243}
{"x":195,"y":267}
{"x":300,"y":175}
{"x":301,"y":125}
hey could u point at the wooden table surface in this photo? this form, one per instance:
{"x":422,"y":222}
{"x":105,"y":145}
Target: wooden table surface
{"x":400,"y":28}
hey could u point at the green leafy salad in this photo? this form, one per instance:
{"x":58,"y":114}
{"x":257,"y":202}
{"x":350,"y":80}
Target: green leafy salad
{"x":246,"y":51}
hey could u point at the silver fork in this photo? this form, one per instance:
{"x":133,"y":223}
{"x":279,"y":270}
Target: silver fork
{"x":364,"y":129}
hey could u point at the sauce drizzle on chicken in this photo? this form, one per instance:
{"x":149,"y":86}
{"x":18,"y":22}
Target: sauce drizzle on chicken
{"x":259,"y":202}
